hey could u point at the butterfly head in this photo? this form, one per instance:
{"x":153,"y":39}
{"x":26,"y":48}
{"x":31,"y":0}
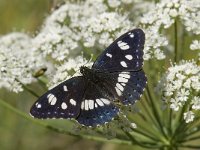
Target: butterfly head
{"x":83,"y":70}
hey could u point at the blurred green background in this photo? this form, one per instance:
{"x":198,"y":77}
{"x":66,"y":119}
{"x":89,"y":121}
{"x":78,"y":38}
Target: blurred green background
{"x":16,"y":133}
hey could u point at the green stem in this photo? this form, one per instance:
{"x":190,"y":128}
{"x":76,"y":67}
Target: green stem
{"x":190,"y":146}
{"x":170,"y":122}
{"x":29,"y":90}
{"x":42,"y":83}
{"x":147,"y":109}
{"x":142,"y":144}
{"x":146,"y":135}
{"x":190,"y":139}
{"x":155,"y":112}
{"x":176,"y":41}
{"x":180,"y":123}
{"x":58,"y":130}
{"x":193,"y":132}
{"x":182,"y":42}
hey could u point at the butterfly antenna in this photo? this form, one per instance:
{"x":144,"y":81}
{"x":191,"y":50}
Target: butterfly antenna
{"x":88,"y":61}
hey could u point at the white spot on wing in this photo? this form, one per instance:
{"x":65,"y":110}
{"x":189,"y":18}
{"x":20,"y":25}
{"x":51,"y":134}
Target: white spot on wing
{"x":64,"y":105}
{"x":65,"y":88}
{"x":123,"y":45}
{"x":91,"y":104}
{"x":123,"y":84}
{"x":131,"y":35}
{"x":120,"y":87}
{"x":82,"y":105}
{"x":121,"y":79}
{"x":51,"y":99}
{"x":105,"y":101}
{"x":38,"y":105}
{"x":125,"y":72}
{"x":118,"y":91}
{"x":123,"y":63}
{"x":129,"y":57}
{"x":124,"y":75}
{"x":109,"y":55}
{"x":86,"y":105}
{"x":96,"y":105}
{"x":73,"y":102}
{"x":99,"y":102}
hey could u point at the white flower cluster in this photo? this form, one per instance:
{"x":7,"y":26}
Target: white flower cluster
{"x":164,"y":15}
{"x":69,"y":30}
{"x":78,"y":26}
{"x":166,"y":12}
{"x":189,"y":12}
{"x":90,"y":26}
{"x":17,"y":61}
{"x":154,"y":42}
{"x":68,"y":69}
{"x":181,"y":86}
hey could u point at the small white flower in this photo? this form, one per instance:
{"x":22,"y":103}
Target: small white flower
{"x":133,"y":125}
{"x":173,"y":12}
{"x":175,"y":104}
{"x":196,"y":103}
{"x":189,"y":116}
{"x":187,"y":83}
{"x":195,"y":45}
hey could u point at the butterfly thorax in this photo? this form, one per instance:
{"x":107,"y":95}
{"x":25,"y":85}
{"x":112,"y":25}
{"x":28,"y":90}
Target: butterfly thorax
{"x":89,"y":74}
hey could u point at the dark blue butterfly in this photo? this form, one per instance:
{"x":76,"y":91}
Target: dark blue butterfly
{"x":115,"y":77}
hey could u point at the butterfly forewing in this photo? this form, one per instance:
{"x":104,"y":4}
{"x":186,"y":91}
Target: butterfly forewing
{"x":125,"y":53}
{"x":63,"y":101}
{"x":97,"y":107}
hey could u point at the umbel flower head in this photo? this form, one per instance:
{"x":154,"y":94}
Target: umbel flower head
{"x":77,"y":26}
{"x":17,"y":61}
{"x":181,"y":87}
{"x":162,"y":16}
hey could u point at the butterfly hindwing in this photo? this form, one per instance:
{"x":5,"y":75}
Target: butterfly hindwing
{"x":125,"y":53}
{"x":126,"y":86}
{"x":97,"y":107}
{"x":63,"y":101}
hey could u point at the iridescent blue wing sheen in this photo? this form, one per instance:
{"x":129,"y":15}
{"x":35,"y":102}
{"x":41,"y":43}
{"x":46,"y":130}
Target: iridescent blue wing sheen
{"x":125,"y":53}
{"x":63,"y":101}
{"x":97,"y":107}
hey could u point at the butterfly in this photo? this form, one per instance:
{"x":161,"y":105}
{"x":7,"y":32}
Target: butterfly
{"x":116,"y":77}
